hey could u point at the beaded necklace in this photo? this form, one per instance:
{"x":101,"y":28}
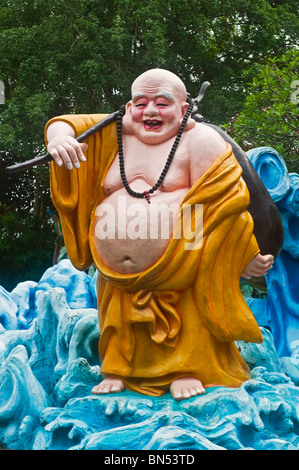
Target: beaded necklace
{"x":146,"y":194}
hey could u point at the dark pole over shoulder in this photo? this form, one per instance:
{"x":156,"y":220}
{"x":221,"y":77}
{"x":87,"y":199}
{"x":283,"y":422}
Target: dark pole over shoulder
{"x":92,"y":130}
{"x":48,"y":157}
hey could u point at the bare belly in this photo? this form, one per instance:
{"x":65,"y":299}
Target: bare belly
{"x":130,"y":234}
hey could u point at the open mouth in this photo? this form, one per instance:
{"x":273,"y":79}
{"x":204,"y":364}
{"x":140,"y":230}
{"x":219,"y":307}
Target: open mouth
{"x":152,"y":124}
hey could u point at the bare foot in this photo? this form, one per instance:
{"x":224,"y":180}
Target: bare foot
{"x":186,"y":387}
{"x":110,"y":384}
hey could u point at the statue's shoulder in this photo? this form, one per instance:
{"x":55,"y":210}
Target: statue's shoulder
{"x":204,"y":147}
{"x":203,"y":140}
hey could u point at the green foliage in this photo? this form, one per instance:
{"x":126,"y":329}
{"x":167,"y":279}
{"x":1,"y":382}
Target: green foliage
{"x":81,"y":56}
{"x":26,"y":247}
{"x":271,"y":110}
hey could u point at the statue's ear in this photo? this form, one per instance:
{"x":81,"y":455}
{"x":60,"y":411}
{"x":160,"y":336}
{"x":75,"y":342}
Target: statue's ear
{"x":128,"y":107}
{"x":127,"y":119}
{"x":185,"y":107}
{"x":190,"y":122}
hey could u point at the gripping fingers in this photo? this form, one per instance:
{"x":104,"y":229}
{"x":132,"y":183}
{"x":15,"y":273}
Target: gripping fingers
{"x":75,"y":151}
{"x":56,"y":157}
{"x":73,"y":156}
{"x":80,"y":148}
{"x":70,"y":155}
{"x":67,"y":151}
{"x":259,"y":272}
{"x":258,"y":266}
{"x":65,"y":157}
{"x":266,"y":260}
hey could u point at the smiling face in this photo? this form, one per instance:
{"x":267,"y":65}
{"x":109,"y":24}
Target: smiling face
{"x":157,"y":107}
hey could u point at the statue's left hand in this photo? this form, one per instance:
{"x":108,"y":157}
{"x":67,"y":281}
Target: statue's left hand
{"x":258,"y":266}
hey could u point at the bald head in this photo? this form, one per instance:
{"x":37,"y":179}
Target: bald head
{"x":160,"y":78}
{"x":158,"y":105}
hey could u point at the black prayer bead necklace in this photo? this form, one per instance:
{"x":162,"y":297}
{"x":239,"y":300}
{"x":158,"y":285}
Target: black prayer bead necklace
{"x":146,"y":194}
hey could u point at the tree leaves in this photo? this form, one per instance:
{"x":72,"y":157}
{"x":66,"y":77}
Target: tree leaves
{"x":270,"y":115}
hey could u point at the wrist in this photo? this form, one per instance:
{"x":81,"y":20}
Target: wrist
{"x":59,"y":128}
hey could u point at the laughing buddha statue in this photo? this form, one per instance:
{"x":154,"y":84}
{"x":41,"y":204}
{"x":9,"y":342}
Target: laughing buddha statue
{"x":170,"y":310}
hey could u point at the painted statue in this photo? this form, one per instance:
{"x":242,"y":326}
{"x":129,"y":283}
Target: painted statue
{"x":170,"y":306}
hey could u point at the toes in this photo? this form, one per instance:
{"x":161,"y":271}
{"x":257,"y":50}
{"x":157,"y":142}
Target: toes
{"x":200,"y":390}
{"x":97,"y":390}
{"x":178,"y":395}
{"x":100,"y":389}
{"x":186,"y":393}
{"x":181,"y":391}
{"x":108,"y":386}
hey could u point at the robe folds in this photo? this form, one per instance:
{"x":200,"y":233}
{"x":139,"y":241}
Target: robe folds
{"x":182,"y":316}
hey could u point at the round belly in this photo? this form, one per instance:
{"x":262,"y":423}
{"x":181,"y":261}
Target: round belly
{"x":130,"y":234}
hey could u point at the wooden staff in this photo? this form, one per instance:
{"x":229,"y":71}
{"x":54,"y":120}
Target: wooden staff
{"x":48,"y":157}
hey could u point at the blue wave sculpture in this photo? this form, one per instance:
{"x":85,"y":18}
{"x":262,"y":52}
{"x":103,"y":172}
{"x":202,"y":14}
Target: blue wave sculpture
{"x":280,"y":311}
{"x":49,"y":364}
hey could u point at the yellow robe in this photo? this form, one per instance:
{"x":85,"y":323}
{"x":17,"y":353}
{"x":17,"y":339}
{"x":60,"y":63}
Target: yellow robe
{"x":181,"y":316}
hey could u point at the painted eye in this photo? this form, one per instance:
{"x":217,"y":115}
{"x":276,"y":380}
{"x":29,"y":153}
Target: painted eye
{"x":140,"y":105}
{"x":162,"y":104}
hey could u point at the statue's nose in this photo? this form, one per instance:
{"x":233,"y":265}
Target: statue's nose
{"x":151,"y":110}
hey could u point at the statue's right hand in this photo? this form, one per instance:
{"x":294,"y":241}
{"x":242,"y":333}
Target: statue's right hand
{"x":66,"y":150}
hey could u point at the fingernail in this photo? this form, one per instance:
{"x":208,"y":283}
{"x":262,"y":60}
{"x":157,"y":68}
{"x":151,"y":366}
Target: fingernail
{"x":69,"y":166}
{"x":60,"y":163}
{"x":77,"y":165}
{"x":82,"y":157}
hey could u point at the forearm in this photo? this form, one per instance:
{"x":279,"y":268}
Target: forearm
{"x":58,"y":128}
